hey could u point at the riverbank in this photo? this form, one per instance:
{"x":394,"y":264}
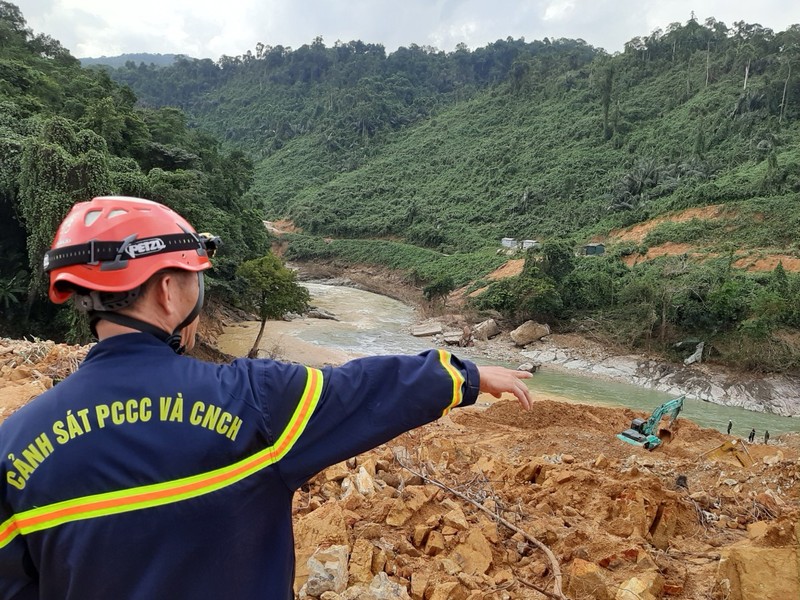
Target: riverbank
{"x":775,"y":394}
{"x":779,"y":395}
{"x":280,"y":341}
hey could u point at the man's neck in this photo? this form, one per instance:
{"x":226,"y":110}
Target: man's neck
{"x":106,"y":329}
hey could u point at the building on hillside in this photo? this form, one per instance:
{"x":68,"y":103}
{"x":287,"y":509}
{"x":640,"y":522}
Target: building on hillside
{"x":509,"y":243}
{"x":527,"y":244}
{"x":594,"y":249}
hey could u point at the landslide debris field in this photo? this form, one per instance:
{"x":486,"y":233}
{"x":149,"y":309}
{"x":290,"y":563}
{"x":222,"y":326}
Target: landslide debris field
{"x":621,"y":522}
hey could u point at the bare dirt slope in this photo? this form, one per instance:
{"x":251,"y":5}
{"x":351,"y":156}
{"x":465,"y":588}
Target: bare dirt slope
{"x":751,"y":260}
{"x":618,"y":519}
{"x":637,"y":233}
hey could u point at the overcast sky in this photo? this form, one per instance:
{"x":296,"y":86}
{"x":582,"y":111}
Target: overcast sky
{"x":211,"y":28}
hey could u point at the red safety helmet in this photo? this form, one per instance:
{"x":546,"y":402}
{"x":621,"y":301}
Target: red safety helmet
{"x":115,"y":244}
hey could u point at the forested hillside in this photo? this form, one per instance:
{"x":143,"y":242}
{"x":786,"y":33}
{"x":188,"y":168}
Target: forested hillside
{"x":68,"y":134}
{"x":422,"y":160}
{"x":360,"y":143}
{"x":162,"y":60}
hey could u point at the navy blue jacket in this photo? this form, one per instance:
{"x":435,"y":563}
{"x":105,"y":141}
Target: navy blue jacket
{"x":149,"y":475}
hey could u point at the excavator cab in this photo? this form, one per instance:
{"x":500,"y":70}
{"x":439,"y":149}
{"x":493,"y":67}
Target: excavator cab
{"x":648,"y":433}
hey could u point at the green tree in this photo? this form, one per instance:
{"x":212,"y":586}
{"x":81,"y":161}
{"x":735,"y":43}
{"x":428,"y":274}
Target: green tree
{"x":13,"y":28}
{"x":58,"y":168}
{"x":727,"y":304}
{"x":779,"y":280}
{"x":591,"y":285}
{"x":104,"y":119}
{"x":537,"y":298}
{"x":272,"y":290}
{"x":558,"y":260}
{"x":603,"y":80}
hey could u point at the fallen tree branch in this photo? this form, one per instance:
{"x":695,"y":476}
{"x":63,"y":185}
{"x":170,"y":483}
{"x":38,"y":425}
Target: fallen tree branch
{"x":558,"y":593}
{"x":711,"y":556}
{"x":532,"y":585}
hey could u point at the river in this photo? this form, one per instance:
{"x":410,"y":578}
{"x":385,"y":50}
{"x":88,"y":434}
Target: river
{"x":374,"y":324}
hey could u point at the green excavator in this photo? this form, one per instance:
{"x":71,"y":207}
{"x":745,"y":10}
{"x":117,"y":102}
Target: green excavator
{"x":647,"y":433}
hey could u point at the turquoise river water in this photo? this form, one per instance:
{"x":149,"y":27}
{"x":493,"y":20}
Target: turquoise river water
{"x":373,"y":324}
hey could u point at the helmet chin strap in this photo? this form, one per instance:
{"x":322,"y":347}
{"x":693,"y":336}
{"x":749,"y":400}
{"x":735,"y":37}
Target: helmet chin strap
{"x":173,"y":340}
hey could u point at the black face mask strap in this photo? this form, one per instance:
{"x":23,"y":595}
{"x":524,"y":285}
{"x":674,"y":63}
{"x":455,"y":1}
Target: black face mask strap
{"x":173,"y":340}
{"x":198,"y":306}
{"x":133,"y":323}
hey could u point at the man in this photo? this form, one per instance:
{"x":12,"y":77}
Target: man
{"x":730,"y":425}
{"x":766,"y":437}
{"x":751,"y":438}
{"x":147,"y":474}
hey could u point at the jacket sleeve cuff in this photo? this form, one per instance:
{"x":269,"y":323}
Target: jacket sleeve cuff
{"x":472,"y":384}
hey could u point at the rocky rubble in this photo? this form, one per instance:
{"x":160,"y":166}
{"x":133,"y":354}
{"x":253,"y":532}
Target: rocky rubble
{"x":622,"y":523}
{"x":27,"y":368}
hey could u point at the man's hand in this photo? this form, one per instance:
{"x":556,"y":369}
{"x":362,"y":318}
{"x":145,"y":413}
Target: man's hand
{"x":496,"y":380}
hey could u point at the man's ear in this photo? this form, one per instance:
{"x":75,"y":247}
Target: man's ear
{"x":164,"y":293}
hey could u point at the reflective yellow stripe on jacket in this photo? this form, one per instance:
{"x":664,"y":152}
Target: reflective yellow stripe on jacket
{"x":457,"y":377}
{"x":148,"y":496}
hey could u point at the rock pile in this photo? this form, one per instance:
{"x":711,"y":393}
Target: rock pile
{"x":622,"y":523}
{"x":27,"y":368}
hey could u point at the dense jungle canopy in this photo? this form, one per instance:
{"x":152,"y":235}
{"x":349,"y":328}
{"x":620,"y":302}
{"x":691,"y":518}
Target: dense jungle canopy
{"x":422,"y":160}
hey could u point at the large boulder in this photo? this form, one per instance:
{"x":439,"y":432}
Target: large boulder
{"x":323,"y":527}
{"x":646,"y":586}
{"x":360,"y":566}
{"x":406,"y":506}
{"x":426,"y":329}
{"x":586,"y":580}
{"x":529,"y":331}
{"x":451,"y":590}
{"x":453,"y":337}
{"x":327,"y":571}
{"x":662,"y":530}
{"x":321,"y":313}
{"x":381,"y":588}
{"x":485,"y":330}
{"x":752,"y":572}
{"x":474,"y":555}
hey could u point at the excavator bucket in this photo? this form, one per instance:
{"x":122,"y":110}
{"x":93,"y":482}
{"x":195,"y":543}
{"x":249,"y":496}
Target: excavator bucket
{"x":732,"y":452}
{"x":665,"y":435}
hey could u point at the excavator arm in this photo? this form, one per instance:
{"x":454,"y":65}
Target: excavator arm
{"x":646,"y":433}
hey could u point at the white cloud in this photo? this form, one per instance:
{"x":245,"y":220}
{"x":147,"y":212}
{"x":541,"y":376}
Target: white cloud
{"x":559,"y":11}
{"x":210,"y":28}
